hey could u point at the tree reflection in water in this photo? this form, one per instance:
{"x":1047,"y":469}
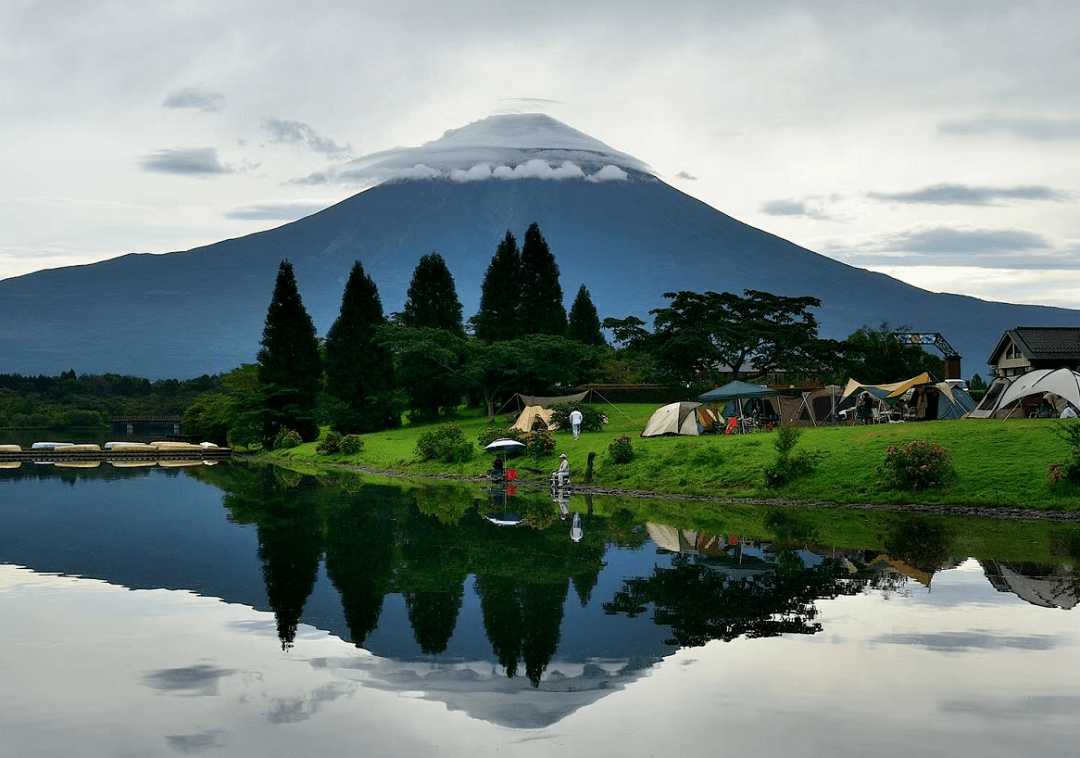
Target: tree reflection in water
{"x":424,"y":543}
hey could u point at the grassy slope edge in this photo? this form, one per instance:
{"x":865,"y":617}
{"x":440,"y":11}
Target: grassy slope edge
{"x":997,"y":463}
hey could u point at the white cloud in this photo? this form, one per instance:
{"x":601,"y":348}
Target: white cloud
{"x":608,"y":174}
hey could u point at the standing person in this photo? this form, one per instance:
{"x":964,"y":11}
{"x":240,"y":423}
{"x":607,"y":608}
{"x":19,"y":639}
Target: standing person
{"x":575,"y":421}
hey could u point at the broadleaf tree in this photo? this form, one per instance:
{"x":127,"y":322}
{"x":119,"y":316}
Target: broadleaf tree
{"x":699,"y":331}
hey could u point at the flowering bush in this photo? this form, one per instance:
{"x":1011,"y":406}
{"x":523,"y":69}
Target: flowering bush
{"x":621,"y":450}
{"x":352,"y":444}
{"x":915,"y":466}
{"x":287,"y":438}
{"x":539,"y":443}
{"x":331,"y":443}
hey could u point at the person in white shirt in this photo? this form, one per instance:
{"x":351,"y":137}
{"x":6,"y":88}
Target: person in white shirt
{"x":575,"y":421}
{"x":562,"y":474}
{"x":1069,"y":412}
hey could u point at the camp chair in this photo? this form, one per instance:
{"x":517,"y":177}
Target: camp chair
{"x":732,"y":426}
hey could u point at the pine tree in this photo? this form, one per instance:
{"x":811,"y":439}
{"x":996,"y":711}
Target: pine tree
{"x":542,"y":310}
{"x":500,"y":294}
{"x":359,"y":370}
{"x":432,"y":298}
{"x":290,"y":368}
{"x":583,"y":324}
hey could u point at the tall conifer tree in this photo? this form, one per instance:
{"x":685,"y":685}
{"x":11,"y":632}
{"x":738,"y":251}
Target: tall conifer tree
{"x":359,"y":370}
{"x":500,"y":294}
{"x":583,"y":324}
{"x":542,"y":310}
{"x":432,"y":297}
{"x":290,"y":368}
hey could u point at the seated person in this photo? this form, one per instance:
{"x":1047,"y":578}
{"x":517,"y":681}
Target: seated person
{"x":497,"y":469}
{"x":562,"y":474}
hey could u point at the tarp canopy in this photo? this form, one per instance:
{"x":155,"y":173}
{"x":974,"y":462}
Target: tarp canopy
{"x":736,"y":390}
{"x":532,"y":416}
{"x":888,"y":391}
{"x":674,"y":418}
{"x":1063,"y":382}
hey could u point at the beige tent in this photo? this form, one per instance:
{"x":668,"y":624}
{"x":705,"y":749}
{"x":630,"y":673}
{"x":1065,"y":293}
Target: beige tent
{"x":532,"y":416}
{"x":673,"y":418}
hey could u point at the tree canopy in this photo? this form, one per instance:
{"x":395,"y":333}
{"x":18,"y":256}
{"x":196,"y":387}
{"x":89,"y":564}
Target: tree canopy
{"x":542,"y":310}
{"x":290,"y":367}
{"x":758,"y":330}
{"x":432,"y":297}
{"x":583,"y":324}
{"x":359,"y":370}
{"x":500,"y":294}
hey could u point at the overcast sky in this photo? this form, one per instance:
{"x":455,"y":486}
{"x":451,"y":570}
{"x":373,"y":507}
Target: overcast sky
{"x":936,"y":141}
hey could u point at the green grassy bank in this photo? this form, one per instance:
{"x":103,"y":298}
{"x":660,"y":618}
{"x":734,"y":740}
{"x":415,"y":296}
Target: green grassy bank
{"x":997,"y":463}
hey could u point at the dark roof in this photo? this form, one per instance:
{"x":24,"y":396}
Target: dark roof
{"x":1043,"y":342}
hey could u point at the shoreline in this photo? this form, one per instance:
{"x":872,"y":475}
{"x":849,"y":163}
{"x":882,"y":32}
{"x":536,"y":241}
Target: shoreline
{"x":1008,"y":513}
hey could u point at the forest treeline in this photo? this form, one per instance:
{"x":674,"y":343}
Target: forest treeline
{"x":373,"y":369}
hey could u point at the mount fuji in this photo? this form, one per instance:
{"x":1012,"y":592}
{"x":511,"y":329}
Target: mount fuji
{"x":610,"y":222}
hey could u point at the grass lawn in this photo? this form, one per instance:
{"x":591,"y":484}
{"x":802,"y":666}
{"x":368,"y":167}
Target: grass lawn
{"x":997,"y":463}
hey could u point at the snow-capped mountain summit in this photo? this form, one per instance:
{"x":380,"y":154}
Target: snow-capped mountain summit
{"x":610,"y":223}
{"x":518,"y":146}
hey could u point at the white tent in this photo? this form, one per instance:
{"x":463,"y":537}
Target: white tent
{"x":674,"y":418}
{"x":1062,"y":382}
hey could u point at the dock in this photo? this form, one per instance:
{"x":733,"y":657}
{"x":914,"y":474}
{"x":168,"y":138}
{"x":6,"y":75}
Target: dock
{"x":147,"y":453}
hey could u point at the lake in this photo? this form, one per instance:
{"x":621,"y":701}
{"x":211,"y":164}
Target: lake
{"x":243,"y":610}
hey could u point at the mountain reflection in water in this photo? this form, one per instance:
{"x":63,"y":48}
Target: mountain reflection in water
{"x":443,"y":597}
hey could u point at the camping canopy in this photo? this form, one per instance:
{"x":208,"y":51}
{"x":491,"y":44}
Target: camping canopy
{"x":1060,"y":381}
{"x":737,"y":392}
{"x":674,"y":418}
{"x":888,"y":391}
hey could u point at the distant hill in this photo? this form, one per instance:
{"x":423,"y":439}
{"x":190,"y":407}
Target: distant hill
{"x":611,"y":225}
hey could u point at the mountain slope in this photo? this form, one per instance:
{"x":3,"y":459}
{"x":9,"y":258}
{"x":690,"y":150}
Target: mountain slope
{"x":628,"y":240}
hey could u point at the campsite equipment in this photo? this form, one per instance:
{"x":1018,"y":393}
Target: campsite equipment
{"x":674,"y":418}
{"x":738,"y":392}
{"x":505,"y":445}
{"x":1063,"y":382}
{"x":944,"y":400}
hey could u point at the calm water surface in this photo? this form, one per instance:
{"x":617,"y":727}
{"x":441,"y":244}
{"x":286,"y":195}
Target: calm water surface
{"x":247,"y":611}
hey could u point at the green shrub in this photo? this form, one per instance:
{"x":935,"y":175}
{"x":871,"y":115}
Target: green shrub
{"x":591,"y":419}
{"x":620,"y":450}
{"x":489,"y":434}
{"x":790,"y":465}
{"x":287,"y":438}
{"x":916,"y":466}
{"x":539,"y":443}
{"x":1068,"y":470}
{"x":445,"y":443}
{"x":351,"y":444}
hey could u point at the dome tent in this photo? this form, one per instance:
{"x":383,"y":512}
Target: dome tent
{"x":674,"y":418}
